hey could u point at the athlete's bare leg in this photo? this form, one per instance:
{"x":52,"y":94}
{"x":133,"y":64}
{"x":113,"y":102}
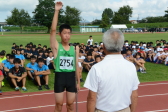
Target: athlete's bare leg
{"x":59,"y":97}
{"x":70,"y":98}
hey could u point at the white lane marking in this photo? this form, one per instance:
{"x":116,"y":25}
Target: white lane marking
{"x":154,"y":95}
{"x":36,"y":107}
{"x":34,"y":95}
{"x":152,"y":84}
{"x":80,"y":90}
{"x":158,"y":110}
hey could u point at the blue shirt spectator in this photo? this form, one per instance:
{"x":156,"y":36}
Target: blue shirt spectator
{"x":21,"y":57}
{"x":43,"y":68}
{"x":9,"y":65}
{"x":34,"y":66}
{"x":5,"y":62}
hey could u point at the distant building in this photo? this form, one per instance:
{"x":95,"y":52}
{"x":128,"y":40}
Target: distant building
{"x":3,"y":23}
{"x":134,"y":21}
{"x":90,"y":29}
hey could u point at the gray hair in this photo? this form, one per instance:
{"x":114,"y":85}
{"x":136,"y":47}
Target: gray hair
{"x":113,"y":40}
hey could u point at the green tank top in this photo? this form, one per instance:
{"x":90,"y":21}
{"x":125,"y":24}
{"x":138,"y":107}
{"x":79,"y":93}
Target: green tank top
{"x":65,"y":60}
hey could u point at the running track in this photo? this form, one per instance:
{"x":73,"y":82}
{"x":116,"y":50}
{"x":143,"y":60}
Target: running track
{"x":153,"y":97}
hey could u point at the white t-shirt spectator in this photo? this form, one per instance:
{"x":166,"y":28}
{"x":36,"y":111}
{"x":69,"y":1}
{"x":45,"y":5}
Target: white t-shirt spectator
{"x":90,"y":40}
{"x":156,"y":56}
{"x":79,"y":63}
{"x":48,"y":60}
{"x":166,"y":61}
{"x":113,"y":79}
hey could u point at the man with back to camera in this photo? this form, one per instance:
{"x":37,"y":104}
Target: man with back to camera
{"x":66,"y":63}
{"x":110,"y":88}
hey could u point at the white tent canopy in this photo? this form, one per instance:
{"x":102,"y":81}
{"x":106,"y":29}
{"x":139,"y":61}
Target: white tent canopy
{"x":119,"y":26}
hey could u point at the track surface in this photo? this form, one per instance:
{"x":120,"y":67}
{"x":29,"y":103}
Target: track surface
{"x":153,"y":97}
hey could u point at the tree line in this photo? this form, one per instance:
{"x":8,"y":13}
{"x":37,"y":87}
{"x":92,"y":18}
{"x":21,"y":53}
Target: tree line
{"x":44,"y":11}
{"x":43,"y":15}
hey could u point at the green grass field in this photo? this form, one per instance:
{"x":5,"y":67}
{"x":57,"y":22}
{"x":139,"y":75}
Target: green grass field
{"x":155,"y":72}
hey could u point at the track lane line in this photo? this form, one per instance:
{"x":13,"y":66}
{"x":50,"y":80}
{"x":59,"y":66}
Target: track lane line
{"x":154,"y":95}
{"x":158,"y":110}
{"x":36,"y":94}
{"x":36,"y":107}
{"x":152,"y":84}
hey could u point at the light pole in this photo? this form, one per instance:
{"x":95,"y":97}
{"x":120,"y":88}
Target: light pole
{"x":84,"y":24}
{"x":2,"y":29}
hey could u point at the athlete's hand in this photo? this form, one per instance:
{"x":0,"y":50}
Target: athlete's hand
{"x":58,"y":6}
{"x":78,"y":87}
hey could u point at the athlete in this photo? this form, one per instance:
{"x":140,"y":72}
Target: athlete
{"x":66,"y":63}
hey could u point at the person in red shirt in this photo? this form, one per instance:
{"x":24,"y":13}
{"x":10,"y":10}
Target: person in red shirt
{"x":143,"y":54}
{"x":1,"y":79}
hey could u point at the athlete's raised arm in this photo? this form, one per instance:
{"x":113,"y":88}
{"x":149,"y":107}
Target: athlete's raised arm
{"x":53,"y":41}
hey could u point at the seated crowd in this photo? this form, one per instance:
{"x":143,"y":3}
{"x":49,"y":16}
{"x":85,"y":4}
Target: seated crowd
{"x":13,"y":68}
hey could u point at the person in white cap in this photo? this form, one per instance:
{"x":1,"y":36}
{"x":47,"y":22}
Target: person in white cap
{"x":150,"y":55}
{"x":160,"y":58}
{"x":134,"y":51}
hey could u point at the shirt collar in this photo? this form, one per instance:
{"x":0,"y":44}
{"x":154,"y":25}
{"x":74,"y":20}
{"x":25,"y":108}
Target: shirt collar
{"x":116,"y":56}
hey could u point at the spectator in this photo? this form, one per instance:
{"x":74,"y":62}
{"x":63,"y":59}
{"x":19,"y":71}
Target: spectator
{"x":45,"y":56}
{"x":29,"y":52}
{"x":160,"y":56}
{"x":9,"y":65}
{"x":1,"y":80}
{"x":90,"y":40}
{"x":97,"y":60}
{"x":2,"y":56}
{"x":30,"y":67}
{"x":143,"y":54}
{"x":44,"y":48}
{"x":40,"y":55}
{"x":134,"y":51}
{"x":39,"y":46}
{"x":4,"y":62}
{"x":150,"y":55}
{"x":18,"y":75}
{"x":129,"y":56}
{"x":42,"y":74}
{"x":20,"y":56}
{"x":34,"y":52}
{"x":80,"y":62}
{"x":107,"y":82}
{"x":49,"y":60}
{"x":139,"y":63}
{"x":87,"y":61}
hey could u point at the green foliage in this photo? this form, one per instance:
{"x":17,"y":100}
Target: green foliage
{"x":109,"y":14}
{"x":44,"y":12}
{"x":154,"y":19}
{"x":96,"y":22}
{"x":149,"y":25}
{"x":104,"y":21}
{"x":19,"y":17}
{"x":122,"y":15}
{"x":72,"y":15}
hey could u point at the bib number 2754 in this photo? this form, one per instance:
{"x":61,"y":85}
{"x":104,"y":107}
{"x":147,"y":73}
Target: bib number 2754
{"x":66,"y":62}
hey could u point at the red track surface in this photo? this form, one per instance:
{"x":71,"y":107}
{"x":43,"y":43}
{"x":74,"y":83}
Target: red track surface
{"x":152,"y":97}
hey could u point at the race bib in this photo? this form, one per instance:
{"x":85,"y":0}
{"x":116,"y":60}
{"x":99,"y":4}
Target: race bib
{"x":66,"y":62}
